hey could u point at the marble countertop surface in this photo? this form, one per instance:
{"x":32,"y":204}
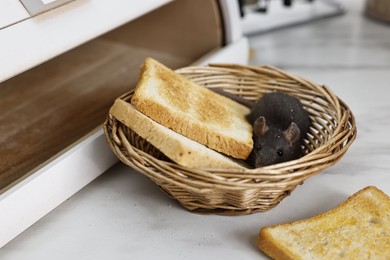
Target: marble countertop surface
{"x":123,"y":215}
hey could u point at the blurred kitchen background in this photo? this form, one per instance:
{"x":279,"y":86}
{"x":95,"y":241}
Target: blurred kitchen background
{"x":322,"y":34}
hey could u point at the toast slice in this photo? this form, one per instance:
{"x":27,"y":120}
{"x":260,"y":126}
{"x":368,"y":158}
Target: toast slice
{"x":193,"y":110}
{"x":359,"y":228}
{"x":176,"y":147}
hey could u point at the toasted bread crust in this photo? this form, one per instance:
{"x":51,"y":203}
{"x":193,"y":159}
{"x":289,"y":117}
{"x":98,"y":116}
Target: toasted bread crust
{"x":193,"y":111}
{"x":339,"y":232}
{"x":175,"y":146}
{"x":272,"y":248}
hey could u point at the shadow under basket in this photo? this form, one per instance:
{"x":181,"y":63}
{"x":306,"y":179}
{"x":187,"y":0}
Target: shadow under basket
{"x":239,"y":192}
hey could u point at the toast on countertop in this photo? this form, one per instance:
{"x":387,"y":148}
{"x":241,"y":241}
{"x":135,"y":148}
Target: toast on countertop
{"x":178,"y":148}
{"x":358,"y":228}
{"x":193,"y":110}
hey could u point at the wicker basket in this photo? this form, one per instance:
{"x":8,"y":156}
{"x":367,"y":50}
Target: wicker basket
{"x":235,"y":192}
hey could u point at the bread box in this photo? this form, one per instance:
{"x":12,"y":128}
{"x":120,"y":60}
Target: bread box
{"x":62,"y":69}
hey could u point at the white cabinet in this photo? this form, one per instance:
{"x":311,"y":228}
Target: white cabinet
{"x":11,"y":12}
{"x":36,"y":39}
{"x":61,"y":70}
{"x":39,"y":6}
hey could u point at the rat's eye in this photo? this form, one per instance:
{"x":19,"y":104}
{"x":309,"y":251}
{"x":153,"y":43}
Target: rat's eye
{"x":279,"y":152}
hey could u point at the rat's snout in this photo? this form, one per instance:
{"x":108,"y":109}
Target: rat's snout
{"x":264,"y":160}
{"x":260,"y":162}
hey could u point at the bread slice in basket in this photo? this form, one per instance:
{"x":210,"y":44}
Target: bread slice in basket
{"x":176,"y":147}
{"x":193,"y":110}
{"x":357,"y":229}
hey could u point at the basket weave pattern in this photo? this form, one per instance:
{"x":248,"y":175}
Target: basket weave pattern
{"x":236,"y":192}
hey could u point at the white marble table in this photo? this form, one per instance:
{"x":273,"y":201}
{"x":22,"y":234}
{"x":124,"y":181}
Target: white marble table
{"x":123,"y":215}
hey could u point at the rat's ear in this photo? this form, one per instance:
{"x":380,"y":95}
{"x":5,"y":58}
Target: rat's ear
{"x":292,"y":133}
{"x":260,"y":126}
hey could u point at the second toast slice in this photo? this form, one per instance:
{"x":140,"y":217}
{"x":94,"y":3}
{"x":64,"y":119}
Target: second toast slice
{"x":359,"y":228}
{"x":178,"y":148}
{"x":193,"y":110}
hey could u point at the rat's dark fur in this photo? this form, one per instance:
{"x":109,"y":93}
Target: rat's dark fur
{"x":280,"y":123}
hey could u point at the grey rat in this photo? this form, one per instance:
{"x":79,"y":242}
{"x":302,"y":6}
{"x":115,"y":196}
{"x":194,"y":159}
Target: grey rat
{"x":280,"y":123}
